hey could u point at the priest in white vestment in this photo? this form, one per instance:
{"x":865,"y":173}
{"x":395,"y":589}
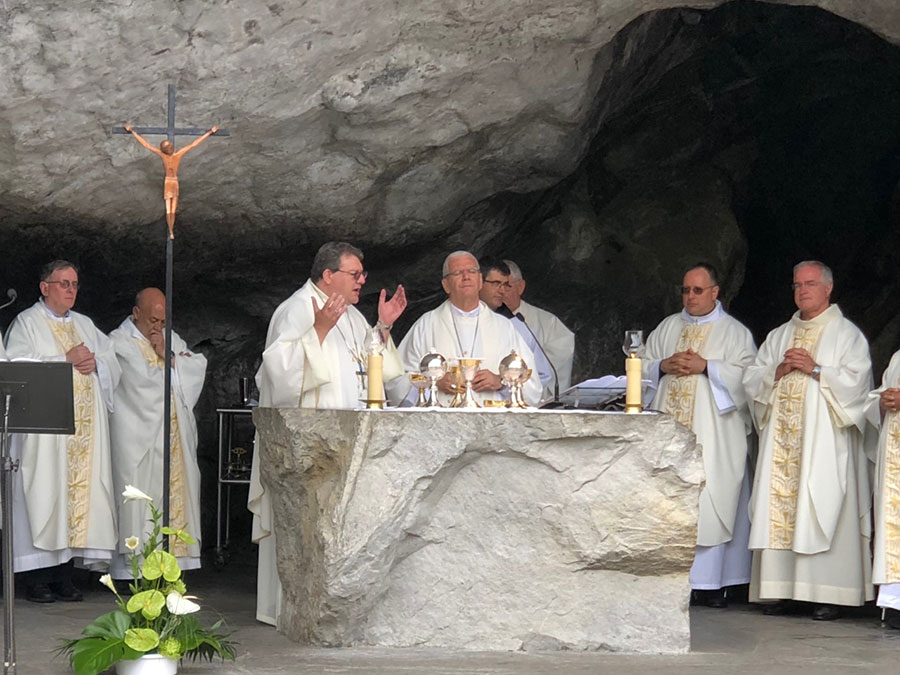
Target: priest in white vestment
{"x":810,"y":506}
{"x":495,"y":284}
{"x":694,"y":361}
{"x":63,"y":494}
{"x":464,"y":327}
{"x":136,"y":430}
{"x":884,"y":410}
{"x":557,"y":340}
{"x":315,"y":358}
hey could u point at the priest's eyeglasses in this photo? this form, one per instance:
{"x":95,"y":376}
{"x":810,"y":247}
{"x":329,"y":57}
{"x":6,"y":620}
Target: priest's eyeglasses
{"x":357,"y":274}
{"x":695,"y":290}
{"x":498,"y":284}
{"x":471,"y":271}
{"x":65,"y":284}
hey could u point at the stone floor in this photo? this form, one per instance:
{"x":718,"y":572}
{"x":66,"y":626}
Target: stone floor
{"x":736,"y":640}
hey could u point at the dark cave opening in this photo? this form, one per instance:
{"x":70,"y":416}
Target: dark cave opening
{"x":758,"y":135}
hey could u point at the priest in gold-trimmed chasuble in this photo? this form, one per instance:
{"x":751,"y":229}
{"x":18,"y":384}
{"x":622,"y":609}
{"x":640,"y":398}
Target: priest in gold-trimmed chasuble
{"x":694,"y":361}
{"x":810,"y":512}
{"x":314,"y":358}
{"x":136,"y":430}
{"x":884,"y":410}
{"x":64,"y":502}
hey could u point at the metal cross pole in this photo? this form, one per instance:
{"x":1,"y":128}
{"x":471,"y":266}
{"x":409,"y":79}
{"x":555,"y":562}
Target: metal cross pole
{"x":170,"y":131}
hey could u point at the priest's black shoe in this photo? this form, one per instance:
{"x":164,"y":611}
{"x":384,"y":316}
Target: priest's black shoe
{"x":66,"y":591}
{"x":39,"y":593}
{"x":892,"y":619}
{"x":709,"y":598}
{"x":782,"y":608}
{"x":826,"y":613}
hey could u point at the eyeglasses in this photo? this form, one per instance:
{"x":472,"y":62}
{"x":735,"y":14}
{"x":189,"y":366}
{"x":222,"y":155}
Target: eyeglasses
{"x":695,"y":290}
{"x":471,"y":271}
{"x":498,"y":284}
{"x":356,"y":274}
{"x":805,"y":284}
{"x":65,"y":284}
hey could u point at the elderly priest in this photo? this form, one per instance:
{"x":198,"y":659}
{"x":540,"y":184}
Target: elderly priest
{"x":464,"y":327}
{"x":63,"y":493}
{"x":810,"y":508}
{"x":315,"y":358}
{"x":695,"y":361}
{"x":136,"y":429}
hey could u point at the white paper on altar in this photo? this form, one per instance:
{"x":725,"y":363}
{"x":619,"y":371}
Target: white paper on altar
{"x":602,"y":390}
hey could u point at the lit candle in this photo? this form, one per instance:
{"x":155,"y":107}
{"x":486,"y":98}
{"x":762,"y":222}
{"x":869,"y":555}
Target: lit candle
{"x":632,"y":384}
{"x":375,"y":378}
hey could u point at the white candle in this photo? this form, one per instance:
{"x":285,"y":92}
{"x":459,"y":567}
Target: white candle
{"x":632,"y":384}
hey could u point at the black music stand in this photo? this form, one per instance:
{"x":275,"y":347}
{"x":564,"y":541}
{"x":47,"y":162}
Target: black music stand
{"x":35,"y":398}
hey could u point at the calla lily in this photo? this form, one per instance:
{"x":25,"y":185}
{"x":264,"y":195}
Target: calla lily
{"x":180,"y":604}
{"x":132,"y":492}
{"x":131,"y":543}
{"x":107,"y":581}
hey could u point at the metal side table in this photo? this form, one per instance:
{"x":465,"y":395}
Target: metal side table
{"x":234,"y":466}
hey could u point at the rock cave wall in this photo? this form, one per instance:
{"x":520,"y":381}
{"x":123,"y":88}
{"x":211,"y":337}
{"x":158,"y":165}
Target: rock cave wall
{"x":602,"y":145}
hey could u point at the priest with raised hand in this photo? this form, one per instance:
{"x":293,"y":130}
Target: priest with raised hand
{"x":884,"y":410}
{"x":694,"y":361}
{"x":557,"y":340}
{"x":63,"y":493}
{"x":464,"y":327}
{"x":136,"y":429}
{"x":315,"y":358}
{"x":810,"y":507}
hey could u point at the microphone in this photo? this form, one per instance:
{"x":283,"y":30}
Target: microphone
{"x":555,"y":403}
{"x":12,"y":295}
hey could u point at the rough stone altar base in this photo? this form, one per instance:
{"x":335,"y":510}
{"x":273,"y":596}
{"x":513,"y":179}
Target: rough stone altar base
{"x":507,"y":531}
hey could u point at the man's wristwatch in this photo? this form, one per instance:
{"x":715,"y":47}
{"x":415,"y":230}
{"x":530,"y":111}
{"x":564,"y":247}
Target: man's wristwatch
{"x":816,"y":372}
{"x":381,"y":325}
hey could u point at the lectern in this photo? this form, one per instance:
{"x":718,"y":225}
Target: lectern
{"x":36,"y":398}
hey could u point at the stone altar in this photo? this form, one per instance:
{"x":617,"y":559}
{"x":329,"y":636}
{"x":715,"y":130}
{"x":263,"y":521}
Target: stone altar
{"x":489,"y":530}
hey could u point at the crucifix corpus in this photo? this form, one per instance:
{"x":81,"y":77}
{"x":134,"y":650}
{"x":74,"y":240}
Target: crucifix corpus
{"x":166,"y":152}
{"x":171,"y":159}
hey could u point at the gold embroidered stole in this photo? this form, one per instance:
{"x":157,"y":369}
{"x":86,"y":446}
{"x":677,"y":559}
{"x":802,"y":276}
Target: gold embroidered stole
{"x":680,"y":390}
{"x":790,"y":394}
{"x":80,"y":446}
{"x":177,"y":481}
{"x":891,"y":498}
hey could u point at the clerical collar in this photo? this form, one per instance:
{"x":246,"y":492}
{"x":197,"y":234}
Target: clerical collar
{"x":54,"y":315}
{"x":833,"y":312}
{"x":461,"y":312}
{"x":135,"y":331}
{"x":716,"y":313}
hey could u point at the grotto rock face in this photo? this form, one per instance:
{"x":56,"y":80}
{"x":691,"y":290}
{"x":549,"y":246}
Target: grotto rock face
{"x":483,"y":530}
{"x":601,"y":145}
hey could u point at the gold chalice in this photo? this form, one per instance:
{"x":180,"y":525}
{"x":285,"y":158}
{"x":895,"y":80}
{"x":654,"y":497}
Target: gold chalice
{"x":456,"y":384}
{"x":420,"y":382}
{"x":469,"y":367}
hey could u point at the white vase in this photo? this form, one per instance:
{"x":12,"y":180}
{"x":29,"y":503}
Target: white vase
{"x":148,"y":664}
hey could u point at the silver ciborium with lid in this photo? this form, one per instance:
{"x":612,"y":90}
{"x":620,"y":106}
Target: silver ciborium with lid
{"x":514,"y":372}
{"x":434,"y":367}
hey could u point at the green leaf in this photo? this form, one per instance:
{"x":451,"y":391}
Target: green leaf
{"x":93,"y":655}
{"x":181,"y":534}
{"x":112,"y":625}
{"x":141,"y":639}
{"x":161,"y":564}
{"x":149,"y":603}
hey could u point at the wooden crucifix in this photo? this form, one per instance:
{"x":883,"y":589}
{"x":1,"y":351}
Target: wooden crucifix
{"x":171,"y":160}
{"x":166,"y":152}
